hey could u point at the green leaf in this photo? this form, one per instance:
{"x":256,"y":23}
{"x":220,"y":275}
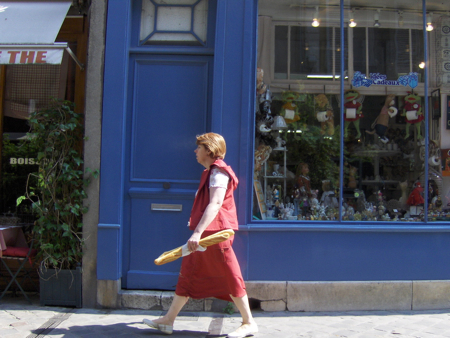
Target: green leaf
{"x":20,"y":200}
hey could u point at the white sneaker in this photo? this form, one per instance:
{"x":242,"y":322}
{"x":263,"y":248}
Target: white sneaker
{"x":244,"y":330}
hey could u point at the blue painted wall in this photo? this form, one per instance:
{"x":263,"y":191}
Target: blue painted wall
{"x":291,"y":251}
{"x":109,"y":261}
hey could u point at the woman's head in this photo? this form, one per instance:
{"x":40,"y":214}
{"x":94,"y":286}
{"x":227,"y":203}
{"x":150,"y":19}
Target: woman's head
{"x":214,"y":143}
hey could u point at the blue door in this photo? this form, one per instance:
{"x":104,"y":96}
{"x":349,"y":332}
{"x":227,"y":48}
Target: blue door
{"x":158,"y":95}
{"x":169,"y":103}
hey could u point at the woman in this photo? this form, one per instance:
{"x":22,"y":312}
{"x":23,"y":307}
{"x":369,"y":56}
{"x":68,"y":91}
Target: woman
{"x":214,"y":272}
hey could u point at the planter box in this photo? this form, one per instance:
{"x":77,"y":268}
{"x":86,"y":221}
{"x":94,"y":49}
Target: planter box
{"x":60,"y":289}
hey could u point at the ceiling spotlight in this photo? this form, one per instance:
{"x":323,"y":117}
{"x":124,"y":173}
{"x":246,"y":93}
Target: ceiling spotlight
{"x":430,"y":22}
{"x":377,"y":19}
{"x":400,"y":18}
{"x":422,"y":65}
{"x":315,"y":22}
{"x":352,"y":22}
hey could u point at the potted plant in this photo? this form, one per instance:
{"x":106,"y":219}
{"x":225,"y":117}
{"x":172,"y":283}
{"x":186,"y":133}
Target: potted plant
{"x":56,"y":193}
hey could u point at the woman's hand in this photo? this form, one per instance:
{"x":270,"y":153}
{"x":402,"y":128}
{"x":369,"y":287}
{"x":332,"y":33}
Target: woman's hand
{"x":193,"y":242}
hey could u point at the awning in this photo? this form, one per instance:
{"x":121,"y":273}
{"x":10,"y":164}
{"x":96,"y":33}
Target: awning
{"x":28,"y":32}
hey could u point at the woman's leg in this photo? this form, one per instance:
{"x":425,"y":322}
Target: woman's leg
{"x":244,"y":309}
{"x":248,"y":326}
{"x":175,"y":308}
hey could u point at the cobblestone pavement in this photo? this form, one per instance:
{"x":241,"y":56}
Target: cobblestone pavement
{"x":19,"y":319}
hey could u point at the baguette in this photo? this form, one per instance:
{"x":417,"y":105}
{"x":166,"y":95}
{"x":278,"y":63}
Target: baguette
{"x":170,"y":256}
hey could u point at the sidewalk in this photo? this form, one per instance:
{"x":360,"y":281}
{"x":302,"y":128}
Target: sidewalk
{"x":19,"y":319}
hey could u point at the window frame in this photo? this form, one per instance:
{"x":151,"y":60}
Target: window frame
{"x":137,"y":47}
{"x":332,"y":88}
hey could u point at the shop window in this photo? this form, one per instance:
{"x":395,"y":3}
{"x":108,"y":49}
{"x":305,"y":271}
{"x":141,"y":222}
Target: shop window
{"x":378,"y":165}
{"x":174,"y":22}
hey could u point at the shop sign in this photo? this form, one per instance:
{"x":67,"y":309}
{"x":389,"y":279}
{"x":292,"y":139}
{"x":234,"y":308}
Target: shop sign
{"x":22,"y":161}
{"x":11,"y":56}
{"x":360,"y":79}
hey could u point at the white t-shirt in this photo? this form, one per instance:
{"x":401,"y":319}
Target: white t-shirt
{"x":218,"y":178}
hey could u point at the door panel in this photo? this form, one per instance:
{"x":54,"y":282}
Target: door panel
{"x":170,"y":105}
{"x":152,"y":233}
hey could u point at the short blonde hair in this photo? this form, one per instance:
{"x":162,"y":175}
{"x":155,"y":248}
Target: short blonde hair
{"x":213,"y":142}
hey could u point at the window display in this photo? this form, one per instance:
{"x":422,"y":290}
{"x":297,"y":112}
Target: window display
{"x":359,"y":148}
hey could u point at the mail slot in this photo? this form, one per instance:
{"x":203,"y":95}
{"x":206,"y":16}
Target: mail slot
{"x":167,"y":207}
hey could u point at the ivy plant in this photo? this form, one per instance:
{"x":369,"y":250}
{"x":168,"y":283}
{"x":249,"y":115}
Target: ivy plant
{"x":57,"y":189}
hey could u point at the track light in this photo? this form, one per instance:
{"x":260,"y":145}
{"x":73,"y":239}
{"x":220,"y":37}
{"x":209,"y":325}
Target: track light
{"x":352,"y":22}
{"x":377,"y":19}
{"x":315,"y":22}
{"x":430,"y":22}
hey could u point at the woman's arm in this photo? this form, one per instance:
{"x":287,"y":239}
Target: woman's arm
{"x":216,"y":197}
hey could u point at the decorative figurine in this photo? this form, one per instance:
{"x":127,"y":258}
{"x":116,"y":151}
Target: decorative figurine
{"x":314,"y":201}
{"x":352,"y":177}
{"x":413,"y":112}
{"x":261,"y":156}
{"x":380,"y":125}
{"x":264,"y":118}
{"x":276,"y":194}
{"x":324,"y":114}
{"x":404,"y":197}
{"x":415,"y":198}
{"x":353,"y":111}
{"x":260,"y":85}
{"x":328,"y":198}
{"x":438,"y":204}
{"x":280,"y":143}
{"x":289,"y":110}
{"x":304,"y":187}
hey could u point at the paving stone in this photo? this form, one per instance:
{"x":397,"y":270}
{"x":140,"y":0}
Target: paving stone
{"x":141,"y":299}
{"x":348,"y":296}
{"x":265,"y":291}
{"x":273,"y":305}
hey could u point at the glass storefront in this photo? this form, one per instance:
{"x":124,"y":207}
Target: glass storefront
{"x":348,"y":111}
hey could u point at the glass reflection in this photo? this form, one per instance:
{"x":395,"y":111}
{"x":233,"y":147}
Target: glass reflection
{"x":393,"y":166}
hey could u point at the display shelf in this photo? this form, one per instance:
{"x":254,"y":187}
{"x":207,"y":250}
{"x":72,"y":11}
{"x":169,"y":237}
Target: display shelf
{"x":376,"y":182}
{"x":375,"y":153}
{"x":280,"y":177}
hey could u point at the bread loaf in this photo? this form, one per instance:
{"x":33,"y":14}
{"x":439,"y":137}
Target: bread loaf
{"x":170,"y":256}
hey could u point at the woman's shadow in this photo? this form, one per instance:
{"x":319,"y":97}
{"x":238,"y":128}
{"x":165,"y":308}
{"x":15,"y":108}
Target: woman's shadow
{"x":125,"y":330}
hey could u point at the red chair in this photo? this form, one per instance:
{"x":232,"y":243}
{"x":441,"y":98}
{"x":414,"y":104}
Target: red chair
{"x":23,"y":255}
